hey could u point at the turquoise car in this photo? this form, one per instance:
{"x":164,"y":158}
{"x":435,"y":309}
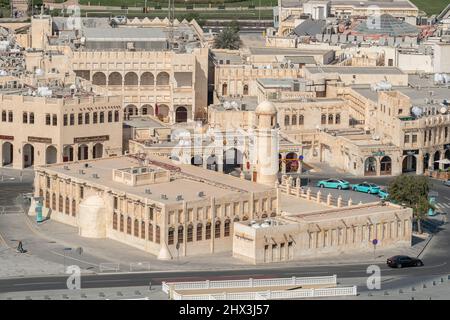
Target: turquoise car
{"x":334,"y":184}
{"x":366,"y":187}
{"x":383,"y":194}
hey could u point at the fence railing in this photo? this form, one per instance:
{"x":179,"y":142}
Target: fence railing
{"x":109,"y":266}
{"x":270,"y":295}
{"x":249,"y":283}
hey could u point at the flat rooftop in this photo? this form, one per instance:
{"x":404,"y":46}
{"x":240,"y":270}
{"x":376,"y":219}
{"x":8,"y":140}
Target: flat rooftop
{"x":355,"y":70}
{"x":124,"y":34}
{"x":144,"y":122}
{"x":187,"y":180}
{"x":417,"y":96}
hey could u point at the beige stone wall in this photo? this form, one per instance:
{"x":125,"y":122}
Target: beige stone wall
{"x":25,"y":143}
{"x":297,"y":239}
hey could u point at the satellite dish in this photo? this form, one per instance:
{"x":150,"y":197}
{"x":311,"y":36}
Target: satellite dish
{"x":443,"y":109}
{"x":417,"y":111}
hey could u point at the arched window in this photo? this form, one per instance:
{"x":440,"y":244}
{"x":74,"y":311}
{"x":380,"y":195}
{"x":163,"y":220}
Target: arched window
{"x":60,"y":203}
{"x":128,"y":225}
{"x":102,"y":117}
{"x":74,"y":208}
{"x":224,"y":89}
{"x":294,"y":120}
{"x":208,"y":231}
{"x":217,"y":229}
{"x":199,"y":232}
{"x":337,"y":120}
{"x":53,"y":201}
{"x":86,"y":118}
{"x":31,"y":117}
{"x":150,"y":232}
{"x":157,"y":234}
{"x":67,"y":206}
{"x":301,"y":120}
{"x":180,"y":234}
{"x":190,"y":233}
{"x":323,"y":119}
{"x":170,"y":237}
{"x":25,"y":117}
{"x":136,"y":228}
{"x":286,"y":120}
{"x":245,"y":91}
{"x":226,"y":228}
{"x":330,"y":119}
{"x":236,"y":218}
{"x":4,"y":116}
{"x":116,"y":116}
{"x":143,"y":231}
{"x":110,"y":116}
{"x":41,"y":193}
{"x":121,"y":223}
{"x":115,"y":221}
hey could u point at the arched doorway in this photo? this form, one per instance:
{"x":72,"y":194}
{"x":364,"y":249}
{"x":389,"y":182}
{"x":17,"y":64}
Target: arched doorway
{"x":162,"y":111}
{"x":426,"y":161}
{"x":99,"y":79}
{"x":147,"y":79}
{"x":197,"y":160}
{"x":232,"y":159}
{"x":28,"y":155}
{"x":67,"y":153}
{"x":7,"y":152}
{"x":130,"y":110}
{"x":224,"y":89}
{"x":370,"y":166}
{"x":291,"y":162}
{"x":50,"y":155}
{"x":211,"y":163}
{"x":162,"y":79}
{"x":83,"y":152}
{"x":131,"y":79}
{"x":385,"y":165}
{"x":115,"y":79}
{"x":97,"y":151}
{"x":409,"y":164}
{"x":181,"y":114}
{"x":147,"y":109}
{"x":436,"y":158}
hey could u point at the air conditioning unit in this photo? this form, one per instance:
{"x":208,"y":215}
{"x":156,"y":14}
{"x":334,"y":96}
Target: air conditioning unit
{"x":95,"y":176}
{"x":80,"y":171}
{"x":164,"y":197}
{"x":201,"y":194}
{"x":66,"y":168}
{"x":179,"y":197}
{"x":147,"y":191}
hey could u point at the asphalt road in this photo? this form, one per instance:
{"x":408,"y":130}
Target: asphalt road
{"x":437,"y":263}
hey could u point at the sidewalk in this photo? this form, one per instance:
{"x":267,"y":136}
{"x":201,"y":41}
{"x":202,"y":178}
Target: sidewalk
{"x":47,"y":241}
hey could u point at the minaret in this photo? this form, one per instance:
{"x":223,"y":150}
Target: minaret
{"x":266,"y":144}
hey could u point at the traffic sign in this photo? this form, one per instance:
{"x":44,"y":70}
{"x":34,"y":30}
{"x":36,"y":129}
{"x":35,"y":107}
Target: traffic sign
{"x":300,"y":157}
{"x":375,"y":242}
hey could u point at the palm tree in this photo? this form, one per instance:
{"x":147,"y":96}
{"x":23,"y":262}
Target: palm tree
{"x":228,"y":39}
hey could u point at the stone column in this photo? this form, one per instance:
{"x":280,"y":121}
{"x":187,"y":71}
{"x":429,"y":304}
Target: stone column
{"x":378,"y":168}
{"x":419,"y":168}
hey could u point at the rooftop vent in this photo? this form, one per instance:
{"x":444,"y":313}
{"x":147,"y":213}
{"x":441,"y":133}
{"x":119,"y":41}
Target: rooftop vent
{"x":164,"y":197}
{"x":201,"y":194}
{"x":95,"y":176}
{"x":81,"y":171}
{"x":66,"y":168}
{"x":179,"y":197}
{"x":147,"y":191}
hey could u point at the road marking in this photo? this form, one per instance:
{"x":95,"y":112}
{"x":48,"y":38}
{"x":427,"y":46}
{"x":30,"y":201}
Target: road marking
{"x":32,"y":283}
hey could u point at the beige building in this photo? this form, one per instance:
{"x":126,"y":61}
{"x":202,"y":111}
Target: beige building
{"x":56,"y":124}
{"x":156,"y":71}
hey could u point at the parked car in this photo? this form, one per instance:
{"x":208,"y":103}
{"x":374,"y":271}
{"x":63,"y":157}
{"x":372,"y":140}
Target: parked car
{"x":120,"y":19}
{"x":366,"y":187}
{"x":334,"y":184}
{"x":383,"y":194}
{"x":403,"y":261}
{"x":447,"y":183}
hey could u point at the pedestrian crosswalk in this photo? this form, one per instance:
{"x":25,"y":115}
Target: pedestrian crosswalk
{"x":443,"y":205}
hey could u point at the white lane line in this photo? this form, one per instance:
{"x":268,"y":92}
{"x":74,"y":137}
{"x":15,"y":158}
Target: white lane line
{"x":31,"y":283}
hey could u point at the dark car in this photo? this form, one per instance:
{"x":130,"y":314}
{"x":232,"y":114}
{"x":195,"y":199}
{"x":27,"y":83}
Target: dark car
{"x":403,"y":261}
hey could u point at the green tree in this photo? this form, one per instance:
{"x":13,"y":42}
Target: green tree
{"x":412,"y":191}
{"x":228,"y":39}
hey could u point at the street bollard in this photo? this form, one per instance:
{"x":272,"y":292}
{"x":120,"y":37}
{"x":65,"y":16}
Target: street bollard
{"x":424,"y":286}
{"x":150,"y":286}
